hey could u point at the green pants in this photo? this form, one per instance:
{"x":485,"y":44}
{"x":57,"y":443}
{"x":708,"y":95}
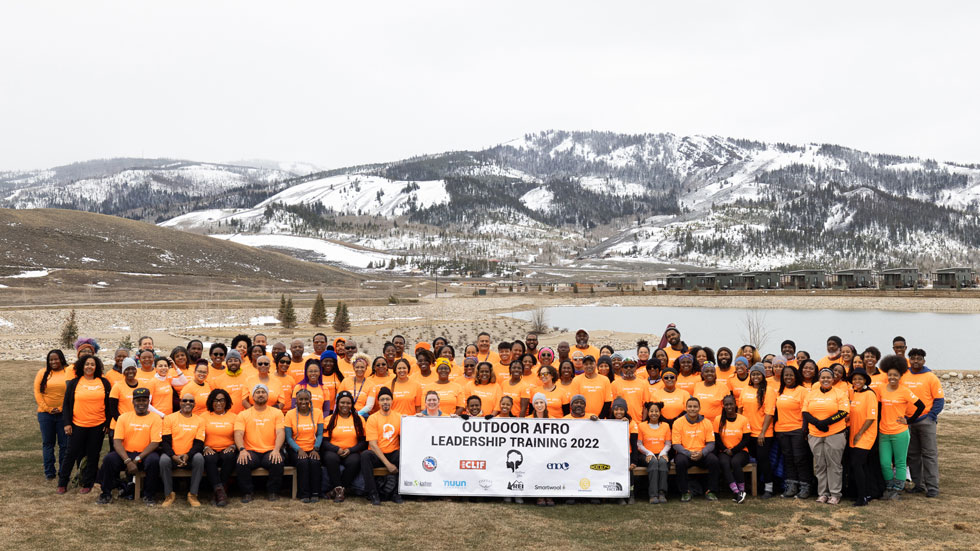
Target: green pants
{"x":893,"y":447}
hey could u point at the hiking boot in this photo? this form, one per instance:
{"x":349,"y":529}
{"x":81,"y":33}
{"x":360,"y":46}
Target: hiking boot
{"x":685,"y":497}
{"x":804,"y":492}
{"x":895,"y":495}
{"x":338,"y":494}
{"x":397,"y":499}
{"x":740,"y":498}
{"x":149,"y":501}
{"x":192,"y":500}
{"x":663,"y":497}
{"x":247,"y":498}
{"x":916,"y":490}
{"x":710,"y":496}
{"x":104,"y":499}
{"x":307,"y":500}
{"x":314,"y":499}
{"x":767,"y":494}
{"x":792,"y":488}
{"x":220,"y":497}
{"x":169,"y":500}
{"x":375,"y":500}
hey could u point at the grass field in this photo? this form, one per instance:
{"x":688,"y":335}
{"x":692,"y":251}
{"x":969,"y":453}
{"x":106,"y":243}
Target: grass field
{"x":34,"y":517}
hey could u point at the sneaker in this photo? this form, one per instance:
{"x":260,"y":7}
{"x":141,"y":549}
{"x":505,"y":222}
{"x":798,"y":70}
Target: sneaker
{"x":932,"y":493}
{"x":170,"y":499}
{"x":220,"y":497}
{"x":519,"y":500}
{"x":654,"y":501}
{"x":85,"y":490}
{"x":833,"y":501}
{"x":861,"y":502}
{"x":61,"y":490}
{"x":740,"y":498}
{"x":804,"y":492}
{"x":314,"y":499}
{"x":397,"y":499}
{"x":273,"y":497}
{"x":895,"y":495}
{"x":149,"y":501}
{"x":710,"y":496}
{"x":916,"y":490}
{"x":192,"y":500}
{"x":908,"y":485}
{"x":791,"y":490}
{"x":550,"y":502}
{"x":104,"y":499}
{"x":663,"y":497}
{"x":822,"y":499}
{"x":685,"y":497}
{"x":766,"y":495}
{"x":375,"y":499}
{"x":541,"y":502}
{"x":247,"y":498}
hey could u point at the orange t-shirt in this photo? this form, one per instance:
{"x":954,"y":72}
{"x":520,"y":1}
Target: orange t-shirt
{"x":260,"y":428}
{"x":234,"y":385}
{"x":738,"y":386}
{"x":864,"y":406}
{"x":317,"y":393}
{"x":183,"y":431}
{"x":879,"y":380}
{"x":345,"y":367}
{"x":385,"y":430}
{"x":489,"y":396}
{"x":54,"y":391}
{"x":490,"y":356}
{"x":304,"y":427}
{"x":219,"y":430}
{"x":693,"y":436}
{"x":201,"y":393}
{"x":688,"y":382}
{"x":137,"y":431}
{"x":755,"y":414}
{"x":360,"y":391}
{"x":925,"y":386}
{"x":123,"y":393}
{"x":275,"y":390}
{"x":406,"y":397}
{"x":501,"y":371}
{"x":824,"y":404}
{"x":516,"y":392}
{"x":723,"y":376}
{"x":789,"y":404}
{"x":636,"y":392}
{"x":172,"y":374}
{"x":285,"y":389}
{"x":597,"y":391}
{"x":344,"y":433}
{"x":710,"y":398}
{"x":675,"y":403}
{"x":423,"y":380}
{"x":331,"y":384}
{"x":827,"y":361}
{"x":451,"y":396}
{"x":672,"y":355}
{"x":161,"y":395}
{"x":653,"y":438}
{"x":587,"y":351}
{"x":556,"y":399}
{"x":297,"y":370}
{"x":733,"y":432}
{"x":894,"y":404}
{"x":111,"y":374}
{"x":144,"y":376}
{"x":89,"y":408}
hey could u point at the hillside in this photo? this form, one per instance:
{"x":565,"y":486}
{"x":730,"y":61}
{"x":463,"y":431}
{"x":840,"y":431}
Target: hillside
{"x":40,"y":246}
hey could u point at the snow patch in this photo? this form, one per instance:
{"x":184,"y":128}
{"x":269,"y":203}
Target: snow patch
{"x":30,"y":274}
{"x":262,"y":320}
{"x":326,"y":250}
{"x":5,"y":323}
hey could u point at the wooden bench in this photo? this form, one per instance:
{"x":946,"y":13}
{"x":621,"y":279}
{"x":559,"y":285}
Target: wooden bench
{"x":750,"y":468}
{"x":186,"y":473}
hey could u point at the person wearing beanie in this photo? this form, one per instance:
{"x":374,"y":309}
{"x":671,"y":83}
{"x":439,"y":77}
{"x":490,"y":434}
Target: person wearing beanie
{"x":234,"y":381}
{"x":834,"y":344}
{"x":672,"y":344}
{"x":739,"y":380}
{"x":788,"y":350}
{"x":259,"y":435}
{"x":383,"y":434}
{"x":634,"y":392}
{"x":577,"y":406}
{"x":134,"y":447}
{"x":861,"y":434}
{"x":86,"y":345}
{"x":758,"y":404}
{"x":825,"y":417}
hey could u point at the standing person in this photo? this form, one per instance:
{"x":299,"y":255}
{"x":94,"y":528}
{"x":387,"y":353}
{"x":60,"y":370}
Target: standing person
{"x":242,"y":344}
{"x":312,"y":383}
{"x":740,"y":379}
{"x":219,"y":443}
{"x":518,"y":390}
{"x":114,"y":373}
{"x":788,"y":349}
{"x":406,"y":393}
{"x":485,"y":387}
{"x":342,"y":445}
{"x":923,"y":456}
{"x":195,"y":351}
{"x":49,"y":393}
{"x":733,"y":434}
{"x":383,"y":434}
{"x":674,"y":400}
{"x":200,"y":388}
{"x":319,"y":345}
{"x":452,"y":399}
{"x":261,"y":374}
{"x":217,"y":353}
{"x":531,"y":340}
{"x":234,"y":380}
{"x":825,"y":412}
{"x":134,"y":446}
{"x":723,"y":369}
{"x":596,"y":389}
{"x":790,"y":435}
{"x":259,"y":435}
{"x":556,"y":399}
{"x":297,"y":367}
{"x":687,"y":377}
{"x":563,"y":350}
{"x":834,"y":344}
{"x":182,"y":445}
{"x":899,"y":409}
{"x":634,"y":391}
{"x":330,"y":378}
{"x":808,"y":372}
{"x":861,"y":436}
{"x":758,"y":405}
{"x":653,"y":442}
{"x":358,"y":386}
{"x":304,"y":436}
{"x":672,"y":344}
{"x":710,"y":392}
{"x":899,"y":346}
{"x":693,"y":440}
{"x":85,"y":415}
{"x":546,"y":356}
{"x":582,"y":344}
{"x":484,"y":354}
{"x":284,"y":380}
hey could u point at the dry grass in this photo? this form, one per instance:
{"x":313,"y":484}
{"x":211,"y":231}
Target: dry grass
{"x":35,"y":517}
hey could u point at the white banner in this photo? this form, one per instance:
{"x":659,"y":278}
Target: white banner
{"x":507,"y":457}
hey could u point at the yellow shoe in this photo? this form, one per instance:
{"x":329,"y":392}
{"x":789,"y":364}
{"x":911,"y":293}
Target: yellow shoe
{"x":192,"y":499}
{"x":170,"y":499}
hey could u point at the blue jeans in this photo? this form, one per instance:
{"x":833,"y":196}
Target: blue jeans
{"x":52,"y":429}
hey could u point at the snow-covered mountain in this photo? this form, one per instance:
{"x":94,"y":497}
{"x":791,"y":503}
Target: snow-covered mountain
{"x":584,"y":199}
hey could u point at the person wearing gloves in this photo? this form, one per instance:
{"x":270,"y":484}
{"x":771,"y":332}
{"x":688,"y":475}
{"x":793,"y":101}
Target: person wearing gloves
{"x":259,"y":434}
{"x":825,"y":416}
{"x":693,"y":440}
{"x":653,"y":442}
{"x":182,"y":445}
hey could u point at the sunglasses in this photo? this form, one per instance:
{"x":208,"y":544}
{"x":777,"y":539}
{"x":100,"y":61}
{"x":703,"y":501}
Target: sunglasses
{"x":263,"y":363}
{"x":182,"y":401}
{"x":669,"y":378}
{"x":218,"y":354}
{"x":350,"y":348}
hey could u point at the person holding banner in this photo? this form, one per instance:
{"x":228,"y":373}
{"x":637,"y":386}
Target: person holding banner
{"x":383,"y":434}
{"x":693,"y":439}
{"x":653,"y":441}
{"x":577,"y":406}
{"x":431,"y":408}
{"x":342,"y":445}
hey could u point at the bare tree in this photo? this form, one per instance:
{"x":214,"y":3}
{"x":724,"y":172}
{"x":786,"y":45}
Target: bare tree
{"x":539,"y":321}
{"x":755,"y":331}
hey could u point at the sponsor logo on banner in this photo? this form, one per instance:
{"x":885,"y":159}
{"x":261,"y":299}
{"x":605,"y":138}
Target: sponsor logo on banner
{"x":486,"y":484}
{"x":585,"y":483}
{"x":599,"y":467}
{"x":473,"y":464}
{"x":554,"y":487}
{"x":454,"y":483}
{"x":516,"y":486}
{"x":514,"y":460}
{"x":613,"y":486}
{"x":558,"y":466}
{"x":417,"y":484}
{"x":429,"y":464}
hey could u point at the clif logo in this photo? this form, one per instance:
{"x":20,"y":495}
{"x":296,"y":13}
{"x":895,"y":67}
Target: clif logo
{"x":472,"y":464}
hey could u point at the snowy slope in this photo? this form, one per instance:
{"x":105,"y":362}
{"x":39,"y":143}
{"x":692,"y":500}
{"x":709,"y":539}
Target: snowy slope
{"x":364,"y":194}
{"x":325,"y":251}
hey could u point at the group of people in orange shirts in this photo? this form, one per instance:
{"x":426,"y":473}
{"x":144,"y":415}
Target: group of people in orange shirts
{"x":335,"y":414}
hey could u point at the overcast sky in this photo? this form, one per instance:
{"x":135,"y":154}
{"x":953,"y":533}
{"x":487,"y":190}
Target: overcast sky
{"x":359,"y":82}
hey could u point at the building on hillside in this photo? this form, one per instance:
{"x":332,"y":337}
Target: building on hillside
{"x":858,"y":278}
{"x":758,"y":280}
{"x":899,"y":278}
{"x":806,"y":279}
{"x":954,"y":278}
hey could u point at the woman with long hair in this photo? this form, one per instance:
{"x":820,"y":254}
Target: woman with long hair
{"x":790,"y":434}
{"x":304,"y":437}
{"x":653,"y":443}
{"x":555,"y":397}
{"x":343,"y":443}
{"x":825,"y":413}
{"x":49,"y":393}
{"x":732,"y":436}
{"x":85,"y":416}
{"x":406,"y":393}
{"x":312,"y":383}
{"x":758,"y":404}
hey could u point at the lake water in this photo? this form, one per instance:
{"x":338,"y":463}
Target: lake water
{"x":946,"y":338}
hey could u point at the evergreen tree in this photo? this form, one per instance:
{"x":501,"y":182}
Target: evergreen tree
{"x":288,"y":318}
{"x":69,"y":333}
{"x":318,"y":315}
{"x":282,"y":308}
{"x":341,"y":320}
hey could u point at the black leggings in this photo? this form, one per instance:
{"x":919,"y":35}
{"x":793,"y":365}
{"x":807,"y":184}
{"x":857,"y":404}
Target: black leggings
{"x":84,"y":442}
{"x":731,"y":466}
{"x":352,"y":468}
{"x":794,"y":448}
{"x":219,"y":467}
{"x":860,"y":473}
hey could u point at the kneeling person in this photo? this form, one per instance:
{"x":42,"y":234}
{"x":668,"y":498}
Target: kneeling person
{"x":182,"y":446}
{"x":134,"y":447}
{"x":383,"y":434}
